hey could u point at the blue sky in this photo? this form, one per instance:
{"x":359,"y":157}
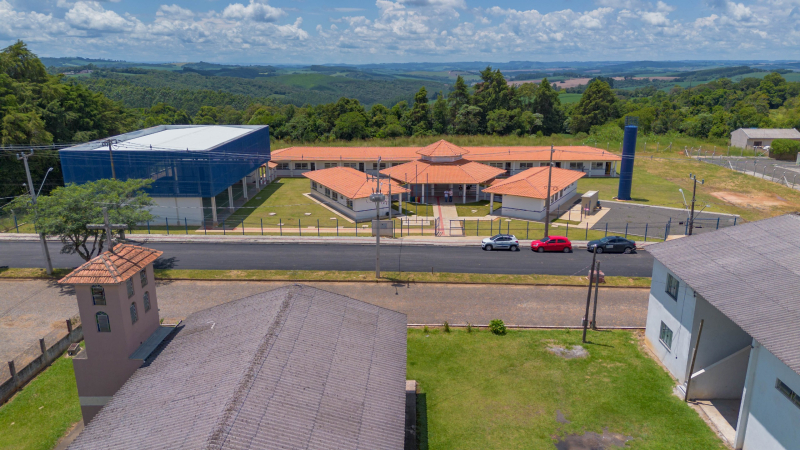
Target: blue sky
{"x":355,"y":31}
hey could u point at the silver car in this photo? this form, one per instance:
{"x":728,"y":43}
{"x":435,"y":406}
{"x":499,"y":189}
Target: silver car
{"x":501,"y":241}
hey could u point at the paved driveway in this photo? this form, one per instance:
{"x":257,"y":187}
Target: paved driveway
{"x":639,"y":219}
{"x":29,"y":309}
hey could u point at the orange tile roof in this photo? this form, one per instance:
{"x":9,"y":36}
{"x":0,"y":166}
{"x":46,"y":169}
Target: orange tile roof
{"x":533,"y":182}
{"x":272,"y":165}
{"x":442,"y":148}
{"x":351,"y":183}
{"x":113,"y":267}
{"x":456,"y":172}
{"x":404,"y":154}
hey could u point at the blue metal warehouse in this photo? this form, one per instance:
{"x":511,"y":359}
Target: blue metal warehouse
{"x":195,"y":168}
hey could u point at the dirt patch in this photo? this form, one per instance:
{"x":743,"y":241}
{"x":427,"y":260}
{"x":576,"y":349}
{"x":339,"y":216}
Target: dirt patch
{"x":560,"y":417}
{"x":592,"y":441}
{"x":575,"y":352}
{"x":749,"y":200}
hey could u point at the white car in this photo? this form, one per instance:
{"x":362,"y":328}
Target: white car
{"x":501,"y":241}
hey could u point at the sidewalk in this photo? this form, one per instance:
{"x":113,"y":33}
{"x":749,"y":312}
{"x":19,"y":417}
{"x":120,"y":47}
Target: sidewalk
{"x":468,"y":241}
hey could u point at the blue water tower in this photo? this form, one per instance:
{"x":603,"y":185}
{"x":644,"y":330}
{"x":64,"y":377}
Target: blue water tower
{"x":628,"y":155}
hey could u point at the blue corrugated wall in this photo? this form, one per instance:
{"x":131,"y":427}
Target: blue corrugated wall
{"x":626,"y":168}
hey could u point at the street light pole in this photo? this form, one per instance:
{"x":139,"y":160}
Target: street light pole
{"x":547,"y":200}
{"x":694,"y":199}
{"x":24,"y":157}
{"x":377,"y":197}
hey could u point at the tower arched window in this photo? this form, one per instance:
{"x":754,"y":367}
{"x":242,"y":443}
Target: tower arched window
{"x":146,"y":298}
{"x":103,"y":322}
{"x":134,"y":313}
{"x":98,"y":294}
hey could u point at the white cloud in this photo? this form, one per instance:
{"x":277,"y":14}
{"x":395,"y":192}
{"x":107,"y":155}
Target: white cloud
{"x":92,"y":16}
{"x":174,"y":11}
{"x":257,"y":10}
{"x":658,"y":19}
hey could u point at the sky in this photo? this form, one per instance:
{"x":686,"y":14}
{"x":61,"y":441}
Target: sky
{"x":386,"y":31}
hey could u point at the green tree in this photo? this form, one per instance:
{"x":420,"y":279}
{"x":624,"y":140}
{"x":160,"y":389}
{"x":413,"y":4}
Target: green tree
{"x":458,"y":98}
{"x":420,"y":115}
{"x":468,"y":120}
{"x":597,"y":105}
{"x":68,"y":210}
{"x":547,"y":103}
{"x":352,"y":125}
{"x":21,"y":64}
{"x":440,"y":115}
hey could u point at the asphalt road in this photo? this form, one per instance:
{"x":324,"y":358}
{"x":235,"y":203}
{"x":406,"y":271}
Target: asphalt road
{"x":353,"y":257}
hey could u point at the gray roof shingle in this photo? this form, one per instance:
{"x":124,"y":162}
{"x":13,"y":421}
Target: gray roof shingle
{"x":772,"y":133}
{"x":295,"y":368}
{"x":750,"y":273}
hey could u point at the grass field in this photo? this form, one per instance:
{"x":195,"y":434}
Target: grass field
{"x":41,"y":413}
{"x":501,"y":392}
{"x":481,"y":208}
{"x":567,"y":99}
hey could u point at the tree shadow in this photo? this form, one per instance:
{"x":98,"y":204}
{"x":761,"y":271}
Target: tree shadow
{"x":165,"y":263}
{"x":422,"y":422}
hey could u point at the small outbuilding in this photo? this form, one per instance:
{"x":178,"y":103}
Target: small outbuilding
{"x":761,"y":137}
{"x":524,"y":194}
{"x":347,"y":191}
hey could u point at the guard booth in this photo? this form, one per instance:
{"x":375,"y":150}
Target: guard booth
{"x":386,"y":227}
{"x":589,"y":203}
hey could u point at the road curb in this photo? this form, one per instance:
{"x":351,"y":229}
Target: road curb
{"x":263,"y":280}
{"x":521,"y":327}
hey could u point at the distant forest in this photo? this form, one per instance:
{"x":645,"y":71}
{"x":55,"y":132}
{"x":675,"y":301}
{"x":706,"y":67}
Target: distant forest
{"x":40,"y":108}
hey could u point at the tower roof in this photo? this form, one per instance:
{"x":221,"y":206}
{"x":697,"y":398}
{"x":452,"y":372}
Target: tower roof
{"x":455,"y":172}
{"x":442,"y":149}
{"x":113,"y":267}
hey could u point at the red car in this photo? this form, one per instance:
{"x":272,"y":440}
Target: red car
{"x":552,"y":244}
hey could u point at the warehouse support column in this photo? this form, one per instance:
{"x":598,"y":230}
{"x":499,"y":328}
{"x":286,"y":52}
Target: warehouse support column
{"x":214,"y":211}
{"x":244,"y":187}
{"x":230,"y":197}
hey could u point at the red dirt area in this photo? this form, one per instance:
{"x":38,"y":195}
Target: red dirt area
{"x":748,"y":200}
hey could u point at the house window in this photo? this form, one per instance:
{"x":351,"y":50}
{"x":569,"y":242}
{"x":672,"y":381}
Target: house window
{"x":129,"y":285}
{"x":757,"y":144}
{"x":665,"y":336}
{"x":672,"y":286}
{"x":788,"y":392}
{"x":146,"y":301}
{"x":282,"y":166}
{"x":349,"y":203}
{"x":143,"y":277}
{"x":313,"y":185}
{"x":103,"y":324}
{"x":98,"y":295}
{"x":329,"y":165}
{"x":525,"y":165}
{"x":300,"y":166}
{"x":134,"y":313}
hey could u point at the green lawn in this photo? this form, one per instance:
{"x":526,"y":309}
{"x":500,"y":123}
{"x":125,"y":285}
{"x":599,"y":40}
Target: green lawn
{"x":482,"y":208}
{"x":39,"y":415}
{"x":501,"y":392}
{"x":566,"y":99}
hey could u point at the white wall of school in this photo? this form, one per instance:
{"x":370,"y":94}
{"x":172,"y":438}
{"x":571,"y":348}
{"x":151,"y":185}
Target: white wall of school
{"x":177,"y":209}
{"x":678,"y":315}
{"x":720,"y":339}
{"x":773,"y":422}
{"x":533,"y":208}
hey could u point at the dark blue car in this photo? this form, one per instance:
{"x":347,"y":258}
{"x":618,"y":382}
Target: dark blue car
{"x":611,"y":244}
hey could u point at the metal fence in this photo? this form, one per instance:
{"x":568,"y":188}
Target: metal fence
{"x":766,"y":169}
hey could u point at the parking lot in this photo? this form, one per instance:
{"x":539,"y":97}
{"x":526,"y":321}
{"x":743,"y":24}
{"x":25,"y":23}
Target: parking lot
{"x":653,"y":221}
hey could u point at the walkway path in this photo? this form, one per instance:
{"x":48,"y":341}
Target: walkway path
{"x":30,"y":308}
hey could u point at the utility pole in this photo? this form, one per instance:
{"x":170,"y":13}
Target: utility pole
{"x":110,"y":143}
{"x":596,"y":288}
{"x":547,"y":200}
{"x":377,"y":197}
{"x":24,"y":157}
{"x":694,"y":199}
{"x":589,"y":296}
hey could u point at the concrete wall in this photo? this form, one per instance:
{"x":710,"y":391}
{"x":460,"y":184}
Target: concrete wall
{"x":739,"y":139}
{"x":178,"y":208}
{"x":722,"y":380}
{"x":678,"y":315}
{"x":720,"y":338}
{"x":773,"y":422}
{"x":533,"y":208}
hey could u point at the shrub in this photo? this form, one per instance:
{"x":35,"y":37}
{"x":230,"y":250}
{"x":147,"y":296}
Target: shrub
{"x":497,"y":327}
{"x":785,"y":149}
{"x":425,"y":329}
{"x":469,"y":327}
{"x":446,"y":327}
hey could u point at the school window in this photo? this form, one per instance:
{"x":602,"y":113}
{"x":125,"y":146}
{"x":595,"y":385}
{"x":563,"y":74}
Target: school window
{"x":300,"y":166}
{"x":349,"y":203}
{"x":666,"y":336}
{"x":129,"y":285}
{"x":597,"y":165}
{"x":672,"y":286}
{"x":576,"y":166}
{"x":103,"y":324}
{"x":350,"y":165}
{"x":375,"y":166}
{"x":313,"y":185}
{"x":498,"y":165}
{"x":143,"y":277}
{"x":335,"y":196}
{"x":146,"y":299}
{"x":525,"y":165}
{"x":329,"y":165}
{"x":788,"y":392}
{"x":134,"y":313}
{"x":282,"y":166}
{"x":98,"y":295}
{"x":327,"y":192}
